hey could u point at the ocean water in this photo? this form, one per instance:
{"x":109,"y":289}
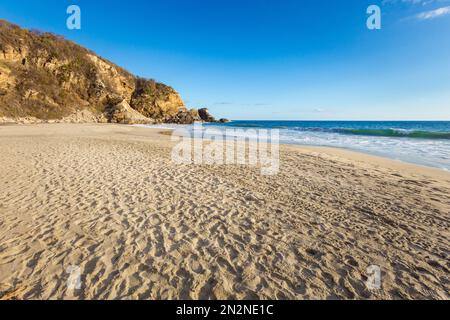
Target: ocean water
{"x":420,"y":142}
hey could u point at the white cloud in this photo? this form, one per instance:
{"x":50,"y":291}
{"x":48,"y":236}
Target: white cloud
{"x":413,"y":2}
{"x":421,"y":2}
{"x":427,"y":15}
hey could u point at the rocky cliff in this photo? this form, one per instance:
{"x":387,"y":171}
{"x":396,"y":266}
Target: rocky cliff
{"x":44,"y":77}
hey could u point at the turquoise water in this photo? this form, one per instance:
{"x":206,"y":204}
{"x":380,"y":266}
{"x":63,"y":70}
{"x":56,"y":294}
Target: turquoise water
{"x":421,"y":142}
{"x":403,"y":129}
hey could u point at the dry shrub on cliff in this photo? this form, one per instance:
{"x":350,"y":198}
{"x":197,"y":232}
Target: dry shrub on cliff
{"x":49,"y":77}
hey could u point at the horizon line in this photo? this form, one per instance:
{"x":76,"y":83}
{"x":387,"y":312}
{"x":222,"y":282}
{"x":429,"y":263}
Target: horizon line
{"x":362,"y":120}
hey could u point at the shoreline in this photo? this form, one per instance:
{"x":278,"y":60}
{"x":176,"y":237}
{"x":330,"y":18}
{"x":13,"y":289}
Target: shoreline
{"x":348,"y":153}
{"x":107,"y":200}
{"x":396,"y":152}
{"x":411,"y":168}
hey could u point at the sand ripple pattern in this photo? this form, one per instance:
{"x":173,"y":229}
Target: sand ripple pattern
{"x":109,"y":200}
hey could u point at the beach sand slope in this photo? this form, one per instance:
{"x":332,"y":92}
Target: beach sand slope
{"x":107,"y":204}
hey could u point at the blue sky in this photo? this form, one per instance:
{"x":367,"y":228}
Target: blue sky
{"x":261,"y":59}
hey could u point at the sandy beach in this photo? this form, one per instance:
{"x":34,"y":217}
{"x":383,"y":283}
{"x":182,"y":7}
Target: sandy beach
{"x":106,"y":201}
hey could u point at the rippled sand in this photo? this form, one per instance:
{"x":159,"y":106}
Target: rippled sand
{"x":106,"y":200}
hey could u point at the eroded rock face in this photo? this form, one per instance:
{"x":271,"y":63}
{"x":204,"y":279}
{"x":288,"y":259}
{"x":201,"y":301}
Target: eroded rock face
{"x":79,"y":116}
{"x":156,"y":100}
{"x":46,"y":77}
{"x":123,"y":113}
{"x":185,"y":117}
{"x":22,"y":120}
{"x":82,"y":116}
{"x":109,"y":78}
{"x":205,"y":115}
{"x":7,"y":80}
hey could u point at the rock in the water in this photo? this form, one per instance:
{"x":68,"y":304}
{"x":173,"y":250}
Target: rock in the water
{"x":205,"y":115}
{"x":224,"y":120}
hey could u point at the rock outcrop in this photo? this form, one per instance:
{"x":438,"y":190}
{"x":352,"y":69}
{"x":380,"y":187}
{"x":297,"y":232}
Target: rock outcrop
{"x":45,"y":78}
{"x":122,"y":113}
{"x":205,"y":115}
{"x":185,"y":117}
{"x":82,"y":116}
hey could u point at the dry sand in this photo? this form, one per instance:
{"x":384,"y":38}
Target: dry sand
{"x":108,"y":199}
